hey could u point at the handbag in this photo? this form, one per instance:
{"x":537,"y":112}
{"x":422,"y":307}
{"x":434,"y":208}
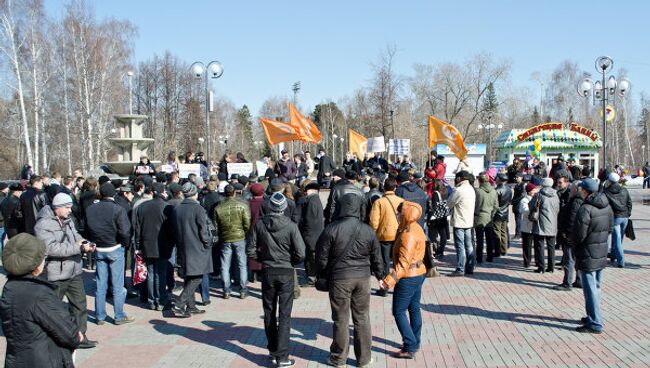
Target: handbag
{"x":629,"y":230}
{"x":440,"y":209}
{"x":322,"y":283}
{"x":140,"y":272}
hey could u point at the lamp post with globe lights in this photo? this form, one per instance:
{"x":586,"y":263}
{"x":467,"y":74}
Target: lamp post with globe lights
{"x":602,"y":90}
{"x":488,"y":128}
{"x":201,"y":140}
{"x":213,"y":70}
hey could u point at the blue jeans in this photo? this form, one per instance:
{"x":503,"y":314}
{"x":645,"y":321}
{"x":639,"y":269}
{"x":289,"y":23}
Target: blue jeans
{"x":591,"y":283}
{"x":156,"y":281}
{"x":115,"y":262}
{"x":227,"y":249}
{"x":406,"y":296}
{"x":2,"y":238}
{"x":620,"y":223}
{"x":204,"y":288}
{"x":464,"y":250}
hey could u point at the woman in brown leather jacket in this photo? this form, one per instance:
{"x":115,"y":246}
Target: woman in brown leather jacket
{"x":407,"y":276}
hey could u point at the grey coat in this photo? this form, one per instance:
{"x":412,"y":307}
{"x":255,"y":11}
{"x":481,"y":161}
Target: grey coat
{"x":63,"y":260}
{"x":549,"y":207}
{"x":190,"y":226}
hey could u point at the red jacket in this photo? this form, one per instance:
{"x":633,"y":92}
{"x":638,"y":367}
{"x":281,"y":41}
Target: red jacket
{"x":440,"y":169}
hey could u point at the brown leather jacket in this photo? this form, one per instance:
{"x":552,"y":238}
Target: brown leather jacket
{"x":410,"y":245}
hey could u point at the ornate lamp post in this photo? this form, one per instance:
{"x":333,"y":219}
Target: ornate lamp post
{"x":602,"y":90}
{"x":488,"y":128}
{"x":214,"y":71}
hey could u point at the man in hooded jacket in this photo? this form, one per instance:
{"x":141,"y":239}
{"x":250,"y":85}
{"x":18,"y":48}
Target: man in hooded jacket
{"x":593,"y":224}
{"x":359,"y":253}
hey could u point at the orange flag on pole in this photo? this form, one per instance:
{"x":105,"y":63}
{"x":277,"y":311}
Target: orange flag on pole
{"x":305,"y":128}
{"x":278,"y":132}
{"x":357,"y":143}
{"x":445,"y":133}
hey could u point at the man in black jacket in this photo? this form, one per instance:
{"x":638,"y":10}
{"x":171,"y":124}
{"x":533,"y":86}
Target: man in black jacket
{"x":312,"y":223}
{"x":108,"y":226}
{"x":38,"y":329}
{"x":565,"y":225}
{"x":563,"y":194}
{"x":153,"y":241}
{"x":519,"y":192}
{"x":504,"y":194}
{"x":280,"y":248}
{"x":621,"y":204}
{"x":194,"y":241}
{"x":11,"y":211}
{"x":348,"y":251}
{"x":325,"y":169}
{"x":593,"y":225}
{"x":31,"y":201}
{"x":341,"y":188}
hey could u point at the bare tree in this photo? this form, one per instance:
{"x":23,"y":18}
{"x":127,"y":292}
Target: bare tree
{"x":12,"y":46}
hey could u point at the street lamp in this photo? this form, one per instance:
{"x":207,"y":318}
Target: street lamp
{"x":214,"y":71}
{"x":488,"y":128}
{"x":201,"y":140}
{"x":602,"y":90}
{"x":342,"y":150}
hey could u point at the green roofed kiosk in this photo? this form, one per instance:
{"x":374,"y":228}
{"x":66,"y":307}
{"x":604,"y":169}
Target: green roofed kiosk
{"x":571,"y":142}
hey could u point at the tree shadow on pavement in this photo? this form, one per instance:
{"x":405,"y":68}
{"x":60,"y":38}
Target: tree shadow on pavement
{"x":528,"y":319}
{"x":230,"y":337}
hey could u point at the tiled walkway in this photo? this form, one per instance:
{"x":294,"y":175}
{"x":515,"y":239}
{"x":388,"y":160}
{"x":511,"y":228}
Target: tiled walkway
{"x":503,"y":316}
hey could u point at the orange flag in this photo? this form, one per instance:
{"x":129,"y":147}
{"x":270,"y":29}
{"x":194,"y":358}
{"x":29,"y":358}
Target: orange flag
{"x":445,"y":133}
{"x":305,"y":128}
{"x":357,"y":143}
{"x":278,"y":132}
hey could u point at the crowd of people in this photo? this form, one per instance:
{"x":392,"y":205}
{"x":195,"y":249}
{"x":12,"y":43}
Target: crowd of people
{"x":387,"y":220}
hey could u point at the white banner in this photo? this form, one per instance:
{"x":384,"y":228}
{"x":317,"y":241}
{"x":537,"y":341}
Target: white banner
{"x":167,"y":168}
{"x":240,"y":169}
{"x":399,"y":147}
{"x":184,"y":170}
{"x":376,"y":144}
{"x":261,"y":167}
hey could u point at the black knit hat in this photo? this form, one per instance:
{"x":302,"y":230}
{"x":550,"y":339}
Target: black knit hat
{"x":107,"y":190}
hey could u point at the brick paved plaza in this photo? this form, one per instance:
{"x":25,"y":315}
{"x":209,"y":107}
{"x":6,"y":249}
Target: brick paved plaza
{"x":502,"y":316}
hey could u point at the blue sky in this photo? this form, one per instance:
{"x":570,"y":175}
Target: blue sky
{"x":265,"y":46}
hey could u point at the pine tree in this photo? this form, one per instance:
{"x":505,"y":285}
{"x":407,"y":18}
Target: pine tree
{"x":490,"y":103}
{"x":571,"y":118}
{"x":535,"y":118}
{"x":244,"y":122}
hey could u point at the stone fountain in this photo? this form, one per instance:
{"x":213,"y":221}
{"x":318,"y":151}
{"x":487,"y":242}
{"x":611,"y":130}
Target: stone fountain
{"x":130,"y":145}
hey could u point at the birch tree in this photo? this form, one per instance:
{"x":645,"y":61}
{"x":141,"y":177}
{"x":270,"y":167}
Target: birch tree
{"x":13,"y":43}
